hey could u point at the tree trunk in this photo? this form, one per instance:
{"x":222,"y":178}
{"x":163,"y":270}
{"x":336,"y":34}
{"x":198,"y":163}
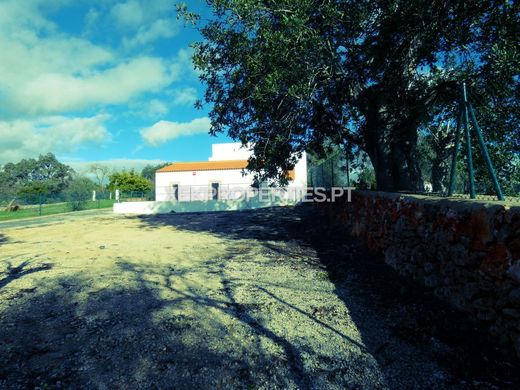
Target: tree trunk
{"x":437,"y":175}
{"x":392,"y":147}
{"x":396,"y":163}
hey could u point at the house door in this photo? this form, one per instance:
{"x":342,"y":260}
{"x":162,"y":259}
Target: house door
{"x":215,"y":189}
{"x":175,"y":190}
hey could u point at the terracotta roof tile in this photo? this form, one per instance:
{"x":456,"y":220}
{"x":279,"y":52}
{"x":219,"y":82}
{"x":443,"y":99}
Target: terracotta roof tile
{"x":204,"y":166}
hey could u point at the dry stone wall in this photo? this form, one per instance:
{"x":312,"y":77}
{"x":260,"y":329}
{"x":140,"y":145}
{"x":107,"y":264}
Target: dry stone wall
{"x":467,"y":251}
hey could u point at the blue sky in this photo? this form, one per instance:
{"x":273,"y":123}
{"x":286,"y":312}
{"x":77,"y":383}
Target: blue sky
{"x":99,"y":81}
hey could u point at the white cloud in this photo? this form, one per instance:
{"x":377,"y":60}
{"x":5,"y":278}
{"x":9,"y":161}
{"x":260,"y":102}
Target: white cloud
{"x":132,"y":14}
{"x":184,"y":96}
{"x":128,"y":14}
{"x":50,"y":72}
{"x":157,"y":108}
{"x":164,"y":131}
{"x":58,"y":134}
{"x":162,"y":28}
{"x":57,"y":92}
{"x":182,"y":64}
{"x":48,"y":76}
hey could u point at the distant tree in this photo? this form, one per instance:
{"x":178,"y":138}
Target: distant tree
{"x":128,"y":181}
{"x":79,"y":192}
{"x":101,"y":172}
{"x":148,"y":171}
{"x":366,"y":178}
{"x":35,"y":176}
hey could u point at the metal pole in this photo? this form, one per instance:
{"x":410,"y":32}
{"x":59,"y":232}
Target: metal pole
{"x":455,"y":153}
{"x":332,"y":171}
{"x":348,"y":172}
{"x":484,"y":150}
{"x":468,"y":144}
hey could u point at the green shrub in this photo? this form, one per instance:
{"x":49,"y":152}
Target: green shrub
{"x":79,"y":192}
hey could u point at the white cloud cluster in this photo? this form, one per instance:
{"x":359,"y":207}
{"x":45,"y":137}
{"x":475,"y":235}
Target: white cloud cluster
{"x":50,"y":72}
{"x":29,"y":138}
{"x":55,"y":92}
{"x":164,"y":131}
{"x":52,"y":83}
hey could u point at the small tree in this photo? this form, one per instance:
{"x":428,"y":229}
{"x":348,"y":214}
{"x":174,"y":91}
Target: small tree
{"x":128,"y":181}
{"x":79,"y":192}
{"x":101,"y":172}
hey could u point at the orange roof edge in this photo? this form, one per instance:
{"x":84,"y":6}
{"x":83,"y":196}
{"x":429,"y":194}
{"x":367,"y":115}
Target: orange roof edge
{"x":204,"y":166}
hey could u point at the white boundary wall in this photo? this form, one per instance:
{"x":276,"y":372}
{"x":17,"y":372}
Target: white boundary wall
{"x":259,"y":201}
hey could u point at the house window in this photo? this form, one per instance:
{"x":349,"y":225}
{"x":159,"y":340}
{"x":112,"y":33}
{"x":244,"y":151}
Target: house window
{"x":215,"y":189}
{"x":175,"y":190}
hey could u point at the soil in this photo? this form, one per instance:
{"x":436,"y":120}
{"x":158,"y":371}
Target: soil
{"x":269,"y":298}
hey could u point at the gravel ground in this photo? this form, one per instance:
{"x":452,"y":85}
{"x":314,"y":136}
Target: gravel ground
{"x":255,"y":299}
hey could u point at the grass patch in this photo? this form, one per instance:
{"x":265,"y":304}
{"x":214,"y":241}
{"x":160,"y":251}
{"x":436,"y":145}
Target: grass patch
{"x":29,"y":211}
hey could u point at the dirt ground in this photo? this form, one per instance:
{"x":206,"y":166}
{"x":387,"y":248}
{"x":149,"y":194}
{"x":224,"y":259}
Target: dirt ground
{"x":252,"y":299}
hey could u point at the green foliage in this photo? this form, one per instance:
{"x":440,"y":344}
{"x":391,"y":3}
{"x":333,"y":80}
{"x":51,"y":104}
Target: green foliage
{"x":288,"y":76}
{"x":31,"y":177}
{"x":79,"y":192}
{"x":128,"y":181}
{"x":366,"y":178}
{"x":148,"y":171}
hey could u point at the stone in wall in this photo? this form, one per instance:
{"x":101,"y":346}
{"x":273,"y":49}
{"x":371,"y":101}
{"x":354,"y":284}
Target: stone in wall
{"x":468,"y":252}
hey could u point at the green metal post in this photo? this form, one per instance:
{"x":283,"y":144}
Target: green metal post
{"x":332,"y":172}
{"x":468,"y":144}
{"x":484,"y":150}
{"x":348,"y":172}
{"x":455,"y":153}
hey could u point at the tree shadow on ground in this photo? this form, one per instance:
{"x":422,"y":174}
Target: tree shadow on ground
{"x":23,"y":269}
{"x":3,"y":239}
{"x":130,"y":337}
{"x":403,"y":326}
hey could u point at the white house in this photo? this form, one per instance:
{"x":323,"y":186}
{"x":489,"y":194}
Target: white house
{"x":222,"y":177}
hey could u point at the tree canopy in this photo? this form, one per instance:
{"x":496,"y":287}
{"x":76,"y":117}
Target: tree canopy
{"x":128,"y":181}
{"x":35,"y":176}
{"x":148,"y":171}
{"x":288,"y":75}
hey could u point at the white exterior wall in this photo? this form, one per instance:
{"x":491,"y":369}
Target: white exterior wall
{"x":196,"y":185}
{"x":300,"y":173}
{"x":229,"y":151}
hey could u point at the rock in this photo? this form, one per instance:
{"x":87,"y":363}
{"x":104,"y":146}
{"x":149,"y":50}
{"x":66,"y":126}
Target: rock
{"x":431,"y":281}
{"x":516,"y":342}
{"x":514,"y":297}
{"x":486,"y":314}
{"x":514,"y":272}
{"x":510,"y":313}
{"x":429,"y":268}
{"x":470,"y":290}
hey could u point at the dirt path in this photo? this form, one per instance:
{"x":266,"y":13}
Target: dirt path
{"x":223,"y":300}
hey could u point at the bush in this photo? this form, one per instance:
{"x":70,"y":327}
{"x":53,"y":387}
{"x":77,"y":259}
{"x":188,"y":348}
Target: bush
{"x":79,"y":192}
{"x":128,"y":181}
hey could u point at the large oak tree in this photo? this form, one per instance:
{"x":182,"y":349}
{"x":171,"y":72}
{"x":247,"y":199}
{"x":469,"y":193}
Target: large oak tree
{"x":294,"y":75}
